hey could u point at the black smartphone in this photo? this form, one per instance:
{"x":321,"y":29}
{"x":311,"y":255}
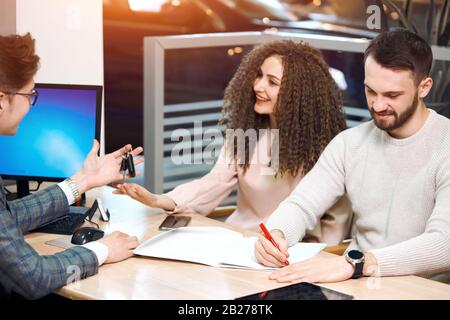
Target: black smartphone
{"x":299,"y":291}
{"x":173,"y":221}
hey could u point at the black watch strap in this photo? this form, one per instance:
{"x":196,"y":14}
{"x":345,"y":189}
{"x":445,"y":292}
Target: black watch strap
{"x":358,"y":270}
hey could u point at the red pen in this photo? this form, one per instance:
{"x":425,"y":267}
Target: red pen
{"x":269,"y":237}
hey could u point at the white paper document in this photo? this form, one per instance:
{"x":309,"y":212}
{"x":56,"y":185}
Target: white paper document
{"x":217,"y":247}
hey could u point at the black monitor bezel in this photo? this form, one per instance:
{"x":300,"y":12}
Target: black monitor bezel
{"x":98,"y":113}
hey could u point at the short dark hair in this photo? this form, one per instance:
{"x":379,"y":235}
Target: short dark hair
{"x":403,"y":50}
{"x":18,"y":61}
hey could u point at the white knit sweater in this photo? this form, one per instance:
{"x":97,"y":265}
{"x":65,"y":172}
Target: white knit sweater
{"x":399,"y":189}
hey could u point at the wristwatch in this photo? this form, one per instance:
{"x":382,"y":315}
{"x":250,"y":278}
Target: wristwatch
{"x":74,"y":188}
{"x":356,"y":259}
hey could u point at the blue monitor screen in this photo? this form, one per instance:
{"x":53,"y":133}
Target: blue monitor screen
{"x":55,"y":136}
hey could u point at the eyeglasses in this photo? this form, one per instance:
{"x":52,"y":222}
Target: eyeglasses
{"x":32,"y":97}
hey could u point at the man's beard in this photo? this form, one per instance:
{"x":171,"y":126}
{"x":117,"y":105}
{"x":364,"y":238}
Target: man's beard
{"x":399,"y":120}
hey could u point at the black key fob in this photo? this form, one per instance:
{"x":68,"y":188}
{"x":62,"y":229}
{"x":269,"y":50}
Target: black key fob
{"x":123,"y":165}
{"x":130,"y":165}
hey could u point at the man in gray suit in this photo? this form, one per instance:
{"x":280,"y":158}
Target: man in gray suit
{"x":22,"y":270}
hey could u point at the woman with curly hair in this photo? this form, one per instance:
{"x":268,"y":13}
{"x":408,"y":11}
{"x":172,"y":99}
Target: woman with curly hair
{"x":282,"y":85}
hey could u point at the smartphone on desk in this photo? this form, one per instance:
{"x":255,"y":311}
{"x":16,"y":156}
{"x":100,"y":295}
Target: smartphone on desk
{"x":173,"y":222}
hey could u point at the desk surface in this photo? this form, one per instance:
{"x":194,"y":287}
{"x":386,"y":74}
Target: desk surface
{"x":151,"y":278}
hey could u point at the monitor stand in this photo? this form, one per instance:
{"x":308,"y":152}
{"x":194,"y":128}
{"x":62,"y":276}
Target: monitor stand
{"x":23,"y":189}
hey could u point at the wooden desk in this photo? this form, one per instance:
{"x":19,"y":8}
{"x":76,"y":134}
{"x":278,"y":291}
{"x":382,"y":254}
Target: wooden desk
{"x":151,"y":278}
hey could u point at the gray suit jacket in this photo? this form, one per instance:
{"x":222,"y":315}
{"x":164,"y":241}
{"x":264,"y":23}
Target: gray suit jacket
{"x":22,"y":269}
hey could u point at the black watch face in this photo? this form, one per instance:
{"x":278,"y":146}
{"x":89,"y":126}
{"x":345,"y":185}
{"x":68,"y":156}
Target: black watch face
{"x":355,"y":254}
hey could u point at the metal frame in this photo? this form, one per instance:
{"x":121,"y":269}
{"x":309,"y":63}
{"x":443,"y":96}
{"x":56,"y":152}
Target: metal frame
{"x":154,"y":48}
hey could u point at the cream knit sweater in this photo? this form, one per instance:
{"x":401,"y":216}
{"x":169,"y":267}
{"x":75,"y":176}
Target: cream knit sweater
{"x":400,"y":193}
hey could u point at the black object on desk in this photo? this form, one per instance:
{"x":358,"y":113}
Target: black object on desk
{"x":66,"y":224}
{"x":86,"y":234}
{"x":299,"y":291}
{"x":172,"y":222}
{"x":77,"y":216}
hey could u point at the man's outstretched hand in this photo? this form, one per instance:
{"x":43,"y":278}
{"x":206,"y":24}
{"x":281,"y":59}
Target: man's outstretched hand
{"x":99,"y":171}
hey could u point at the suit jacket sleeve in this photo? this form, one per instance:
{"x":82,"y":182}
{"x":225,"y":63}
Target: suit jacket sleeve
{"x":39,"y":208}
{"x":22,"y":269}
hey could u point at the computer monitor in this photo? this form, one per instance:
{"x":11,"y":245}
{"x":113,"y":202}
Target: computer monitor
{"x":54,"y":137}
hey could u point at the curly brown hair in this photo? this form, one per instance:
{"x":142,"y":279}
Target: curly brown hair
{"x":308,"y":111}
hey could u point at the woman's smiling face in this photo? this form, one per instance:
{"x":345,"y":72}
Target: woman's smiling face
{"x":267,"y":85}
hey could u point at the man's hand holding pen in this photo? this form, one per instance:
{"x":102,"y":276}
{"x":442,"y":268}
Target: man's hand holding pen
{"x":271,"y":250}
